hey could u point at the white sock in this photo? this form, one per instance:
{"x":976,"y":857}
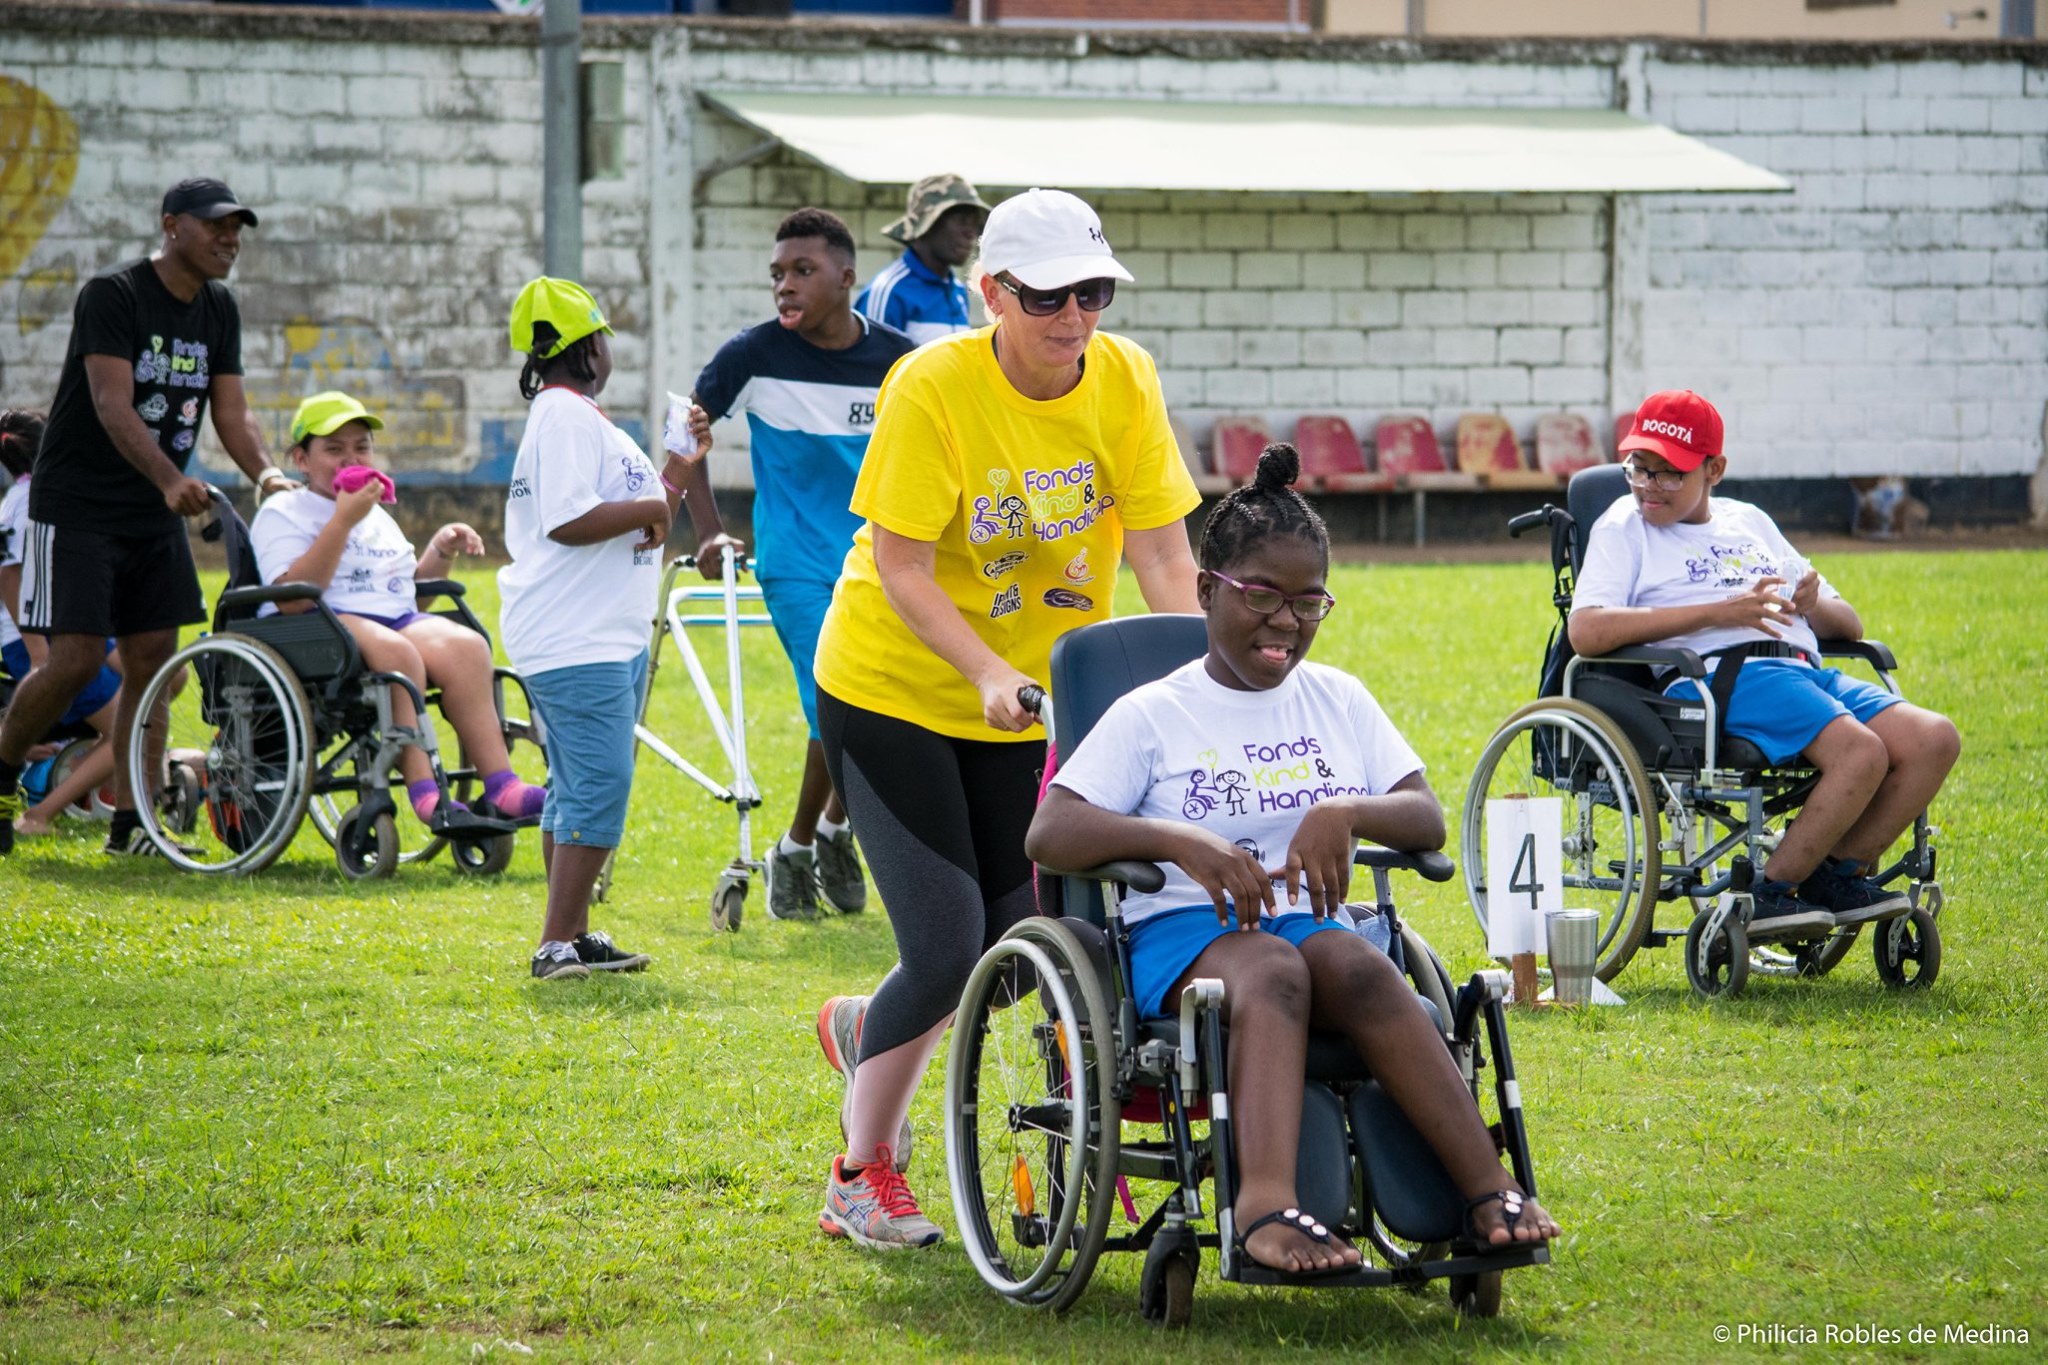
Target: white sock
{"x":790,"y":848}
{"x":828,"y":830}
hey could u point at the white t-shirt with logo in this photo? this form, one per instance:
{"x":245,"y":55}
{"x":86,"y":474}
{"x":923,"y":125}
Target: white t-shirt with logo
{"x":1244,"y":765}
{"x":373,"y":577}
{"x":563,"y":605}
{"x":1630,"y":563}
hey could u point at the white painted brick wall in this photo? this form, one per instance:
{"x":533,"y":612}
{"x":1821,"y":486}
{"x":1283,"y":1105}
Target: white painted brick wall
{"x":1889,"y":314}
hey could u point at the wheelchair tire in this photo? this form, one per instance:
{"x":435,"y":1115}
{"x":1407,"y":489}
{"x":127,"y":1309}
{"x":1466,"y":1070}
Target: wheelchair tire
{"x":1476,"y":1296}
{"x":1166,"y":1287}
{"x":1025,"y":1124}
{"x":1908,"y":951}
{"x":482,"y":857}
{"x":1719,"y":968}
{"x":1608,"y":800}
{"x":327,"y":815}
{"x":366,"y":850}
{"x":248,"y":715}
{"x":1818,"y":959}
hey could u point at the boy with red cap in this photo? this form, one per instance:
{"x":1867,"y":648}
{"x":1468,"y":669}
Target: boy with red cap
{"x":1679,"y":567}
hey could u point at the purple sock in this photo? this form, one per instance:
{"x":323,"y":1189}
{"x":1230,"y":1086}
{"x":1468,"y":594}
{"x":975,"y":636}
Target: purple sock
{"x":517,"y":799}
{"x":425,"y":796}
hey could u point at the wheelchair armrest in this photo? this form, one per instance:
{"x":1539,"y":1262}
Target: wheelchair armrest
{"x":1686,"y":661}
{"x":1131,"y":872}
{"x":1873,"y":652}
{"x":1431,"y":864}
{"x":269,"y":592}
{"x":437,"y":587}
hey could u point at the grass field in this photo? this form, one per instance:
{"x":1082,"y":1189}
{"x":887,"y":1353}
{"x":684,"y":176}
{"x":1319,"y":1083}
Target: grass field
{"x":295,"y":1117}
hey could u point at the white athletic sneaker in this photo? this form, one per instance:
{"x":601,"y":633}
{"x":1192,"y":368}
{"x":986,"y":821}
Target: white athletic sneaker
{"x":876,"y":1208}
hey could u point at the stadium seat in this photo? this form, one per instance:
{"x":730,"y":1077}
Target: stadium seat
{"x":1564,"y":444}
{"x":1331,"y":459}
{"x":1238,"y":442}
{"x":1207,"y":481}
{"x":1488,"y":448}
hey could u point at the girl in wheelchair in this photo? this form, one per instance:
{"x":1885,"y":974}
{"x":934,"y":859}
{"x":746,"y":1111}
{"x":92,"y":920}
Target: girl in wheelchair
{"x":1318,"y":766}
{"x":334,"y":534}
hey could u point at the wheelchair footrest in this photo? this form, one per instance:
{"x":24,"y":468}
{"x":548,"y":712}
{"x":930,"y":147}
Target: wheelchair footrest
{"x":466,"y":826}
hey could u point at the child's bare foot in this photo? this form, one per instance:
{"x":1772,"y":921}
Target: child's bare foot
{"x":30,"y":826}
{"x":1507,"y":1217}
{"x":1294,"y":1243}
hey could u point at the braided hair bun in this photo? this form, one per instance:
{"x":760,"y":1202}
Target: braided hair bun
{"x":1267,"y":506}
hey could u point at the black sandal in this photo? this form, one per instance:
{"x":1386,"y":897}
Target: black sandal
{"x":1512,"y":1202}
{"x":1307,"y":1226}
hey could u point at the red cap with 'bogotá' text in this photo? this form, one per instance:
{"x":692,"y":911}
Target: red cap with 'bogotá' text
{"x":1677,"y":424}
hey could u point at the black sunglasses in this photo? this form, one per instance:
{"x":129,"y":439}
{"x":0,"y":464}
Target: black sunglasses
{"x":1092,"y":295}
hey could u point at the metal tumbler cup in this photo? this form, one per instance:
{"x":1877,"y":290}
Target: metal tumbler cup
{"x":1571,"y":939}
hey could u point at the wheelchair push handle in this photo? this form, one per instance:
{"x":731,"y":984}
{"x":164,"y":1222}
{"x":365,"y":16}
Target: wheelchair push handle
{"x":1529,"y":521}
{"x":1032,"y":698}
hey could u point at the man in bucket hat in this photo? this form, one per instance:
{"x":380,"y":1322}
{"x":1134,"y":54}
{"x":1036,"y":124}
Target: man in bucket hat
{"x":156,"y":344}
{"x":918,"y":294}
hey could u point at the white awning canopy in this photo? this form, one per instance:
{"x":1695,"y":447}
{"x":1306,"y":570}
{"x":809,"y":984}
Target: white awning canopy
{"x":1085,"y":144}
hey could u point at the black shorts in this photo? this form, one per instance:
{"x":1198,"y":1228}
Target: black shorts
{"x":79,"y":582}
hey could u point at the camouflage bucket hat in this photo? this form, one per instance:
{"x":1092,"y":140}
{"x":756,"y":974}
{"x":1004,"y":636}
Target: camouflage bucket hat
{"x":930,"y":198}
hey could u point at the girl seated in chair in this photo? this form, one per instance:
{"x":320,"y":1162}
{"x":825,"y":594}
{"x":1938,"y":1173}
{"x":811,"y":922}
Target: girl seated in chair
{"x":333,"y":534}
{"x":1317,"y":766}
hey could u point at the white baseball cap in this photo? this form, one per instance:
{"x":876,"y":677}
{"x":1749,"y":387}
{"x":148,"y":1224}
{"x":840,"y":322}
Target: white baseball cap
{"x":1047,"y":239}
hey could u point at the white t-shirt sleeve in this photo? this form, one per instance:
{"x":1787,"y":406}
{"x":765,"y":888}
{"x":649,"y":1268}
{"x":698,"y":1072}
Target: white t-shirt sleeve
{"x":1613,"y":563}
{"x":1388,"y":756}
{"x":1116,"y":765}
{"x":565,"y":480}
{"x":278,"y":538}
{"x":14,"y":524}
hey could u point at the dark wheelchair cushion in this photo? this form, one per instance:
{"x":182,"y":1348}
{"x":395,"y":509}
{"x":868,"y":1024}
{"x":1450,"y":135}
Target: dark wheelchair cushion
{"x":1669,"y":733}
{"x":1405,"y":1182}
{"x":307,"y":641}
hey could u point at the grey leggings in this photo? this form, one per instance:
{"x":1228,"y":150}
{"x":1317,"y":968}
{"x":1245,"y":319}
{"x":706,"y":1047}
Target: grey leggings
{"x":942,"y":822}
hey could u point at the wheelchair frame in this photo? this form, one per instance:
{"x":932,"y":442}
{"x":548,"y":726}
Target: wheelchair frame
{"x":1090,"y":1061}
{"x":1720,"y":812}
{"x":302,"y":674}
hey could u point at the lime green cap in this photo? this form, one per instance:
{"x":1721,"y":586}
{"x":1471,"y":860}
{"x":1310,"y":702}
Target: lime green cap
{"x":564,"y":304}
{"x":326,"y":413}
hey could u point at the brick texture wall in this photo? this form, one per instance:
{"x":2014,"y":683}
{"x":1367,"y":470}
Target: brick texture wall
{"x":1889,"y":314}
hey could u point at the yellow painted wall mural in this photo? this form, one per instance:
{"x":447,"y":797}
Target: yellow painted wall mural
{"x":38,"y":161}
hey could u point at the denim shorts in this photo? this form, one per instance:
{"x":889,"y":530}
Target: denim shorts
{"x":1782,"y":705}
{"x":1166,"y":944}
{"x":797,"y":607}
{"x":589,"y":711}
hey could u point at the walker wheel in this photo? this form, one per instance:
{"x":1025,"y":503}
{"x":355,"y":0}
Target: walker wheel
{"x":728,"y":905}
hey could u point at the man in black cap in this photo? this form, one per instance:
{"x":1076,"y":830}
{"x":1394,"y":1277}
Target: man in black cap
{"x":153,"y":342}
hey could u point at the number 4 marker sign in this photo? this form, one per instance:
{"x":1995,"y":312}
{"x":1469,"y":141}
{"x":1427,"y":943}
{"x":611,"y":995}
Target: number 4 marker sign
{"x":1524,"y":872}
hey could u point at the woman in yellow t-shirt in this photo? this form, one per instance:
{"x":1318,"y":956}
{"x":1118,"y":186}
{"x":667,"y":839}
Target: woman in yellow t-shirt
{"x":1011,"y":469}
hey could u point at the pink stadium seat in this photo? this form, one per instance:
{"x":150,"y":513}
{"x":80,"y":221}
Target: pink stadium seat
{"x":1239,"y":441}
{"x":1207,"y":481}
{"x":1488,"y":448}
{"x":1564,"y":444}
{"x":1331,"y":459}
{"x":1408,"y":451}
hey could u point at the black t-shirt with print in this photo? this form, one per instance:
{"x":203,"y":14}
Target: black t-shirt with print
{"x":176,"y":349}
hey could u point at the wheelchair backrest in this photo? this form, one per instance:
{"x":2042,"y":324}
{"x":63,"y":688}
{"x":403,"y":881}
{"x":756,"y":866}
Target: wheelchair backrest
{"x":1091,"y":668}
{"x":1588,"y":496}
{"x":232,"y":533}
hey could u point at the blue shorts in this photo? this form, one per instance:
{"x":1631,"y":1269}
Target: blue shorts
{"x":1166,"y":944}
{"x":1782,"y":705}
{"x":589,"y":711}
{"x":797,"y":606}
{"x":97,"y":693}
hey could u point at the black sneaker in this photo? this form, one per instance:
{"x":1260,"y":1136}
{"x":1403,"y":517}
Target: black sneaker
{"x":137,"y":844}
{"x":792,"y":884}
{"x":596,"y":951}
{"x":1776,"y":912}
{"x":1853,"y":899}
{"x":557,"y":961}
{"x":11,"y":806}
{"x":840,"y":880}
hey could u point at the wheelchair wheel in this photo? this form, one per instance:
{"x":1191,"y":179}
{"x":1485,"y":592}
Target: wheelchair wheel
{"x":1166,"y":1288}
{"x":328,"y":810}
{"x":482,"y":857}
{"x":1031,"y":1125}
{"x":1818,"y":959}
{"x":248,"y":716}
{"x":1908,"y":951}
{"x":1722,"y":966}
{"x":1476,"y":1296}
{"x":1566,"y":749}
{"x":366,"y":848}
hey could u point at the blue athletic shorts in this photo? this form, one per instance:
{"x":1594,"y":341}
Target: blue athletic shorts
{"x":1166,"y":944}
{"x":588,"y":711}
{"x":97,"y":693}
{"x":797,"y":606}
{"x":1782,"y":705}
